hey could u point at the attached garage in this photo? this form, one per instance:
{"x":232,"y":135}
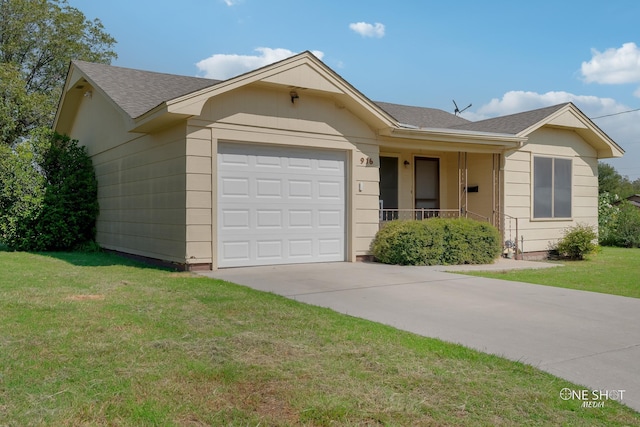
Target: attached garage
{"x":279,"y":205}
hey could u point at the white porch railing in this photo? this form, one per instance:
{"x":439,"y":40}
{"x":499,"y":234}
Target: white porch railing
{"x":407,"y":214}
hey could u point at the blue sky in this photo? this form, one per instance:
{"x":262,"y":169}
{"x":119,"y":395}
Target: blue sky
{"x":501,"y":56}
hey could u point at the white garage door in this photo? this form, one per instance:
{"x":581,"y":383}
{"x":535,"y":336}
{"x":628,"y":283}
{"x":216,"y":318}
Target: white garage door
{"x":279,"y":205}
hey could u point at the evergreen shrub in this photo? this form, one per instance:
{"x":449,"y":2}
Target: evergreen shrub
{"x":48,"y":195}
{"x":437,"y":241}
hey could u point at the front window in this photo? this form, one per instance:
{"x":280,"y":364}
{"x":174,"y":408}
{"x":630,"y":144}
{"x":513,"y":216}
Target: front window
{"x":551,"y":187}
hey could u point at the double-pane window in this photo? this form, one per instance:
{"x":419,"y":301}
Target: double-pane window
{"x":551,"y":187}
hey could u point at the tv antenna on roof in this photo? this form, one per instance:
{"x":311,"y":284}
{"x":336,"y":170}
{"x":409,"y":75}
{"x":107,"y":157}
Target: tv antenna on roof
{"x":457,"y":110}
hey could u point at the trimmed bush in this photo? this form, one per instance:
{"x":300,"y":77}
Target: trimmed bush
{"x":409,"y":243}
{"x":437,"y":241}
{"x":578,"y":241}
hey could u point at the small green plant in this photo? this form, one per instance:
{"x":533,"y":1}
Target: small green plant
{"x":437,"y":241}
{"x":577,"y":242}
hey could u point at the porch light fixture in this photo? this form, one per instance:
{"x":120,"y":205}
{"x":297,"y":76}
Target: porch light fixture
{"x":294,"y":95}
{"x":406,"y":163}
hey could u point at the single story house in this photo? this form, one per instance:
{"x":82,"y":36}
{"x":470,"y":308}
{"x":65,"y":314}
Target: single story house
{"x":290,"y":163}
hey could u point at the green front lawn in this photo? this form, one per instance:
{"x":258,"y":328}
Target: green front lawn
{"x":611,"y":271}
{"x":91,"y":339}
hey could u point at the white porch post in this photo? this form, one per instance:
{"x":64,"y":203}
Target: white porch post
{"x":462,"y":183}
{"x":497,"y":192}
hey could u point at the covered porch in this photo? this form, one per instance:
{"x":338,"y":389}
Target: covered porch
{"x":418,"y":183}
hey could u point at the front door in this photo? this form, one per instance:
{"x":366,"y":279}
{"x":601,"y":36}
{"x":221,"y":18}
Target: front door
{"x":389,"y":186}
{"x":427,"y":183}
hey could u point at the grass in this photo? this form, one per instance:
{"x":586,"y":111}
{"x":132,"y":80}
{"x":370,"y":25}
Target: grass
{"x":91,"y":339}
{"x":610,"y":271}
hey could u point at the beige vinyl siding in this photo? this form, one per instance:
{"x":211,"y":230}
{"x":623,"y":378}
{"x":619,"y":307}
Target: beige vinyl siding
{"x":199,"y":200}
{"x":449,"y":188}
{"x":365,"y":203}
{"x":541,"y":234}
{"x":480,"y":173}
{"x":98,"y":125}
{"x":142,"y":196}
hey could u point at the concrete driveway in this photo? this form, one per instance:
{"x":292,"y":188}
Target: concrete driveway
{"x":588,"y":338}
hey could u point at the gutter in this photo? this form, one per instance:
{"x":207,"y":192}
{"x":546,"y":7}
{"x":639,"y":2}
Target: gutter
{"x":455,"y":135}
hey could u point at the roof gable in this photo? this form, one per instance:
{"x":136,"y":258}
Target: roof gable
{"x":137,"y":91}
{"x":565,"y":115}
{"x":513,"y":123}
{"x":301,"y":72}
{"x":302,"y":76}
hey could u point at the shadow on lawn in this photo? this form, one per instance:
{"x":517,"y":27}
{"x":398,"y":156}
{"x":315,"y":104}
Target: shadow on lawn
{"x":99,"y":258}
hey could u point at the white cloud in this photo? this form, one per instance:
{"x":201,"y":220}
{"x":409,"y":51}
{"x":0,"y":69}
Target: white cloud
{"x":622,"y":128}
{"x":368,"y":30}
{"x":613,"y":66}
{"x":231,"y":2}
{"x":223,"y":66}
{"x":518,"y":101}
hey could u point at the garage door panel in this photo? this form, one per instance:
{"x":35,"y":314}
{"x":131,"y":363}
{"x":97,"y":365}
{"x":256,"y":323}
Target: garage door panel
{"x":330,"y":165}
{"x":268,"y":187}
{"x":235,"y":187}
{"x":235,"y":219}
{"x":235,"y":251}
{"x":330,"y":190}
{"x":328,"y":247}
{"x":268,"y":161}
{"x":330,"y":219}
{"x":300,"y":218}
{"x":269,"y":250}
{"x":280,"y":205}
{"x":300,"y":189}
{"x":231,"y":159}
{"x":269,"y":219}
{"x":299,"y":163}
{"x":300,"y":248}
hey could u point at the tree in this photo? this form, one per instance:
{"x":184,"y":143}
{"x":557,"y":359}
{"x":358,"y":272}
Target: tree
{"x":48,"y":194}
{"x":21,"y":191}
{"x":38,"y":39}
{"x":610,"y":181}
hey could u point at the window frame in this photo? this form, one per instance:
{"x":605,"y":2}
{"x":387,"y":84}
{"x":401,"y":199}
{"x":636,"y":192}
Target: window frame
{"x":553,"y":187}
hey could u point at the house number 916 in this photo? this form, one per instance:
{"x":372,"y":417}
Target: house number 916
{"x":367,"y":161}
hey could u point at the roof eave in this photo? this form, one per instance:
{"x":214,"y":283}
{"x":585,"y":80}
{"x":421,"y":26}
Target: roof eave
{"x":605,"y":146}
{"x":191,"y":104}
{"x":457,"y":136}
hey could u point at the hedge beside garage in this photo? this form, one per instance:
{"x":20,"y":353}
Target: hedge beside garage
{"x":437,"y":241}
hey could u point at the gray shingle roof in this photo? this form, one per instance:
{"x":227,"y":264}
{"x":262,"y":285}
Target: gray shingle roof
{"x":513,"y":123}
{"x":136,"y":91}
{"x":422,"y":117}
